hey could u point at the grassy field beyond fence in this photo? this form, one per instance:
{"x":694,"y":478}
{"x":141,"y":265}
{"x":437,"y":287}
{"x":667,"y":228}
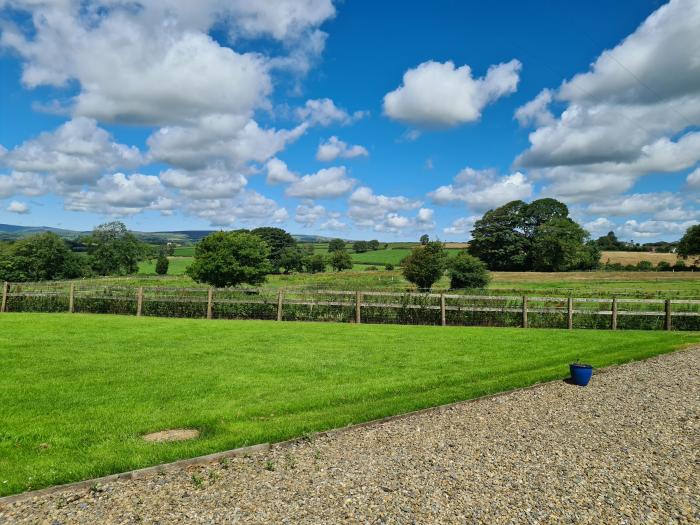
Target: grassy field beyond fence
{"x":78,"y":391}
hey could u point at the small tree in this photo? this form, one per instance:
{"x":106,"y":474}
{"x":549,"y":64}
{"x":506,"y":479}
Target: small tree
{"x":424,"y":239}
{"x":425,"y":265}
{"x":114,"y":250}
{"x":292,"y":260}
{"x":466,"y":271}
{"x":336,"y":245}
{"x":229,"y":259}
{"x":373,"y":244}
{"x":316,"y":264}
{"x":162,"y":264}
{"x":340,"y":260}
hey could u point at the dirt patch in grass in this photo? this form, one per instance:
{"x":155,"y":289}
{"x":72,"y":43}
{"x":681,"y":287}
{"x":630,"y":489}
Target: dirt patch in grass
{"x":175,"y":434}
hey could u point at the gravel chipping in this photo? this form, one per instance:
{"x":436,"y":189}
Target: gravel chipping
{"x":625,"y":449}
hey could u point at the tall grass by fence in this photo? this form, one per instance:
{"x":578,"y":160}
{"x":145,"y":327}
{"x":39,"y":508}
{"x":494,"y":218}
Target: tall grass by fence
{"x":356,"y":306}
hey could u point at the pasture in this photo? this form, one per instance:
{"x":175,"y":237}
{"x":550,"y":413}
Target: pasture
{"x":626,"y":258}
{"x":78,"y":391}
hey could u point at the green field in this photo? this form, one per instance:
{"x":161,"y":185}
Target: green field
{"x":78,"y":391}
{"x":176,"y":266}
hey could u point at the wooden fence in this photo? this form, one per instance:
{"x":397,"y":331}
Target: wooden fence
{"x":356,"y":306}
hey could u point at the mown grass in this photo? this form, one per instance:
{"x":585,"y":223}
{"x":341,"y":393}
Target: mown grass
{"x":78,"y":391}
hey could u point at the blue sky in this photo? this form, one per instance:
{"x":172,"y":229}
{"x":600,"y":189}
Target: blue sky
{"x":356,"y":119}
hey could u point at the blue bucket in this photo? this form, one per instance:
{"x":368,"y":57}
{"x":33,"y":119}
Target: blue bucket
{"x":580,"y":374}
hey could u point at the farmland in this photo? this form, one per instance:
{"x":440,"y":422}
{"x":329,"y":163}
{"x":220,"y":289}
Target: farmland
{"x":626,"y":258}
{"x":75,"y":409}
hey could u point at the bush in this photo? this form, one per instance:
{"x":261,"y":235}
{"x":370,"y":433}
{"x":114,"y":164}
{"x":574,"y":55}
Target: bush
{"x":162,"y":264}
{"x":645,"y":266}
{"x":663,"y":266}
{"x":316,"y":264}
{"x":680,"y":266}
{"x":425,"y":265}
{"x":230,"y":258}
{"x":340,"y":260}
{"x":371,"y":269}
{"x":389,"y":267}
{"x":466,"y":271}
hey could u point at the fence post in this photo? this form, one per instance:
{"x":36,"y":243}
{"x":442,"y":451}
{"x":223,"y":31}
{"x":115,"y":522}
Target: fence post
{"x":5,"y":288}
{"x":570,"y":313}
{"x":524,"y":311}
{"x":358,"y":307}
{"x":139,"y":302}
{"x":443,"y":317}
{"x":71,"y":298}
{"x":210,"y":301}
{"x":613,"y":323}
{"x":668,"y":314}
{"x":280,"y":297}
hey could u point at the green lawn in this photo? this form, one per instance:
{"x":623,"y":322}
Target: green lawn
{"x":77,"y":391}
{"x":177,"y":266}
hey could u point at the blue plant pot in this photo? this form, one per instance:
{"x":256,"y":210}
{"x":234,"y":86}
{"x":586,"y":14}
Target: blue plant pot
{"x":580,"y":374}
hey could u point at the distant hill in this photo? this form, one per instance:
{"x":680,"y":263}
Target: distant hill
{"x":12,"y":231}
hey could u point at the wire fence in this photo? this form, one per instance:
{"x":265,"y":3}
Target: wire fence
{"x":409,"y":308}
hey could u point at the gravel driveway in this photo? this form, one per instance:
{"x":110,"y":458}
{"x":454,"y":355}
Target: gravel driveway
{"x":624,"y":450}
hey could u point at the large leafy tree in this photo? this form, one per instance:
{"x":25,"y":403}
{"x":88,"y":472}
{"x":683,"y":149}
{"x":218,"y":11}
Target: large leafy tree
{"x":690,"y":242}
{"x":278,"y":241}
{"x":609,"y":242}
{"x":425,"y":264}
{"x":561,"y":245}
{"x":40,"y":257}
{"x":519,"y":236}
{"x":114,"y":250}
{"x":336,"y":245}
{"x":229,"y":259}
{"x":499,"y":239}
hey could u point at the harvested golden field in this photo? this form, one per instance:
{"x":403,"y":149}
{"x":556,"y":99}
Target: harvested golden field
{"x":456,"y":245}
{"x":635,"y":257}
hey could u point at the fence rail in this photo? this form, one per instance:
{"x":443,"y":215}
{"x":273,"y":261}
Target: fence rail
{"x":355,"y":306}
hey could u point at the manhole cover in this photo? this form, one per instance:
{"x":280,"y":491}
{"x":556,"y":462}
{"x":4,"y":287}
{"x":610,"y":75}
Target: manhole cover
{"x":175,"y":434}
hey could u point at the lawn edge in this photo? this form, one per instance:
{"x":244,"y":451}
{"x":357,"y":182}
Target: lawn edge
{"x":265,"y":447}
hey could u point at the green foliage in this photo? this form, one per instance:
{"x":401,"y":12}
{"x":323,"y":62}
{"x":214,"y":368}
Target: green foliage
{"x":536,"y":236}
{"x":663,"y":266}
{"x":336,"y":245}
{"x":292,"y":260}
{"x":316,"y":264}
{"x":162,"y":264}
{"x":610,"y":242}
{"x":360,"y":246}
{"x":230,"y":258}
{"x":498,"y":238}
{"x":645,"y":266}
{"x":278,"y":241}
{"x":466,"y":271}
{"x":113,"y":250}
{"x":425,"y":265}
{"x":373,"y":244}
{"x":40,"y":257}
{"x":559,"y":245}
{"x":389,"y":267}
{"x":340,"y":260}
{"x":371,"y":269}
{"x":424,"y":239}
{"x":690,"y":242}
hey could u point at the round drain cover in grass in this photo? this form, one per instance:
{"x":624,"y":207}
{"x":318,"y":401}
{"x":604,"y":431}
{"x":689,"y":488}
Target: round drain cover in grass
{"x":175,"y":434}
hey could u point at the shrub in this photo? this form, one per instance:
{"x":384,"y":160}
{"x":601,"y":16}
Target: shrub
{"x":425,"y":265}
{"x":162,"y":264}
{"x":340,"y":260}
{"x":663,"y":266}
{"x":645,"y":266}
{"x":466,"y":271}
{"x":371,"y":269}
{"x":680,"y":266}
{"x":316,"y":264}
{"x":230,"y":258}
{"x":389,"y":267}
